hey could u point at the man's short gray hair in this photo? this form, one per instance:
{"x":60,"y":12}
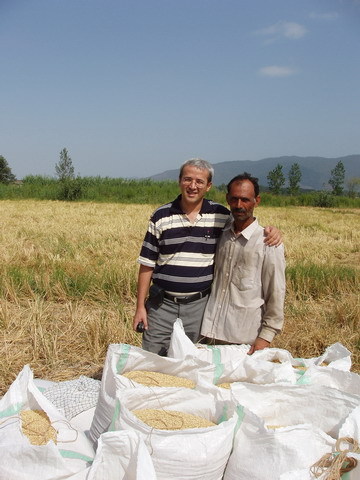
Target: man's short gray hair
{"x":200,"y":164}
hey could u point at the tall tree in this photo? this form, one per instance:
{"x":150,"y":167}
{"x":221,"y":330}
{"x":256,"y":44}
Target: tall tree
{"x":65,"y":168}
{"x":337,"y":178}
{"x":294,"y":179}
{"x":276,"y":179}
{"x":353,"y":185}
{"x":6,"y":175}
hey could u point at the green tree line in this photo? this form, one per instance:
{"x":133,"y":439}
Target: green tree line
{"x":121,"y":190}
{"x":69,"y":187}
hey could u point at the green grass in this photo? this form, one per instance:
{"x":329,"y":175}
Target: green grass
{"x":146,"y":191}
{"x":316,"y":281}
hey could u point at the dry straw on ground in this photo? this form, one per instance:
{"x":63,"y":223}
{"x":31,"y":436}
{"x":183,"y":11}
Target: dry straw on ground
{"x":68,"y":283}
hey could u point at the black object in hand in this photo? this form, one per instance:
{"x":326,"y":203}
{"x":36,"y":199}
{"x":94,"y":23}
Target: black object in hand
{"x":140,"y":327}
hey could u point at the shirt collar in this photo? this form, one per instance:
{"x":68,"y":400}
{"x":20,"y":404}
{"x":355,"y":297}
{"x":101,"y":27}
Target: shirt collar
{"x":176,"y":206}
{"x":247,"y":232}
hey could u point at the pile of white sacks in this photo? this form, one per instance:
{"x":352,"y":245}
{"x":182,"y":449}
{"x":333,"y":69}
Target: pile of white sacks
{"x":274,"y":423}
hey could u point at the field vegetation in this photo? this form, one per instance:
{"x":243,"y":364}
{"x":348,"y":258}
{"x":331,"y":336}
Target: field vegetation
{"x":68,"y":282}
{"x":129,"y":191}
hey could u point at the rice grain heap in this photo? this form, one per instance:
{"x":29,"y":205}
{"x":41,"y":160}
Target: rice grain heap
{"x":171,"y":419}
{"x":157,"y":379}
{"x":224,"y":385}
{"x":36,"y":425}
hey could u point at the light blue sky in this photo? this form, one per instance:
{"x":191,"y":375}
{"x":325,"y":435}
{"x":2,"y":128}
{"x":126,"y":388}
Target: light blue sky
{"x":135,"y":87}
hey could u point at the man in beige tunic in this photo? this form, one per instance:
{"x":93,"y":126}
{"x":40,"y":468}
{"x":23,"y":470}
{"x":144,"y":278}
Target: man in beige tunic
{"x":246,"y":304}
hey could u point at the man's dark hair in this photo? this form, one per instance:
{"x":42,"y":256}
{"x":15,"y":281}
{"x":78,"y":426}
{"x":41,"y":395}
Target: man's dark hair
{"x":245,"y":176}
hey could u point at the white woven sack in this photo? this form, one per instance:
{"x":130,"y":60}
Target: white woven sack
{"x":123,"y":358}
{"x":232,"y":363}
{"x":274,"y":365}
{"x":288,"y":405}
{"x":351,"y":427}
{"x":197,"y":453}
{"x":122,"y":455}
{"x":331,"y":377}
{"x":335,"y":356}
{"x":305,"y":474}
{"x":260,"y":453}
{"x":82,"y":422}
{"x":271,"y":365}
{"x":19,"y":458}
{"x":181,"y":346}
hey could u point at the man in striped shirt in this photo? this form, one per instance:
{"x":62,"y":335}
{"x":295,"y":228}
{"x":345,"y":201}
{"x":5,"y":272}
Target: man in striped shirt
{"x":177,"y":257}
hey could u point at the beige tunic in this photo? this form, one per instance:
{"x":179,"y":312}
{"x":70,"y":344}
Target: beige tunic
{"x":247,"y":297}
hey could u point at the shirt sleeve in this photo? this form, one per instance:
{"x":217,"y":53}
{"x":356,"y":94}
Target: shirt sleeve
{"x":150,"y":248}
{"x":273,"y":284}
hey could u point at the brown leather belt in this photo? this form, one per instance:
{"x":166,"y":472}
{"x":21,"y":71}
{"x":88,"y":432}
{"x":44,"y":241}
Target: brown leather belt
{"x":187,"y":298}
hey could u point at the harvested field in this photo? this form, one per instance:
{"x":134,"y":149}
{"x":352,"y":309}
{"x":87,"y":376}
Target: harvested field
{"x":68,"y":283}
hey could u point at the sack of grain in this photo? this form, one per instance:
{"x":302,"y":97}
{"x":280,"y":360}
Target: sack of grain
{"x":36,"y":440}
{"x":348,"y":382}
{"x":260,"y":452}
{"x":289,"y":405}
{"x":181,"y":346}
{"x":344,"y":460}
{"x":335,"y":356}
{"x":122,"y":358}
{"x":275,"y":365}
{"x":122,"y":455}
{"x":194,"y":452}
{"x":231,"y":363}
{"x":271,"y":365}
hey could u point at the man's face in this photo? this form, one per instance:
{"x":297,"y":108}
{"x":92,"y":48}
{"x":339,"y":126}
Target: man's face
{"x":242,"y":201}
{"x":194,"y":184}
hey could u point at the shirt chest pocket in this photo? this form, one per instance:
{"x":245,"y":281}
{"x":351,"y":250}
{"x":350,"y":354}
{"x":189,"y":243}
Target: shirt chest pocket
{"x":247,"y":274}
{"x":243,"y":278}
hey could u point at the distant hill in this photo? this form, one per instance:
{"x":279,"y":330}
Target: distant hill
{"x":315,"y":170}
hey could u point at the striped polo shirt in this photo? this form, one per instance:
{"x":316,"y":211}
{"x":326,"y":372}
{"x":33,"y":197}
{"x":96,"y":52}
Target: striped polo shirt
{"x":182,"y":253}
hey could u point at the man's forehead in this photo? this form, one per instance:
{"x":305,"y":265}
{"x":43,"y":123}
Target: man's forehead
{"x":242,"y":188}
{"x":191,"y":171}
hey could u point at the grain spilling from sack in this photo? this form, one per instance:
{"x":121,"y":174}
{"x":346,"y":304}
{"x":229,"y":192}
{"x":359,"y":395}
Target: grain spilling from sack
{"x":224,"y":385}
{"x":157,"y":379}
{"x":171,"y":419}
{"x":36,"y":425}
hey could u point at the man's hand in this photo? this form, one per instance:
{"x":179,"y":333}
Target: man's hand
{"x":140,"y":316}
{"x":273,"y":236}
{"x":259,"y":344}
{"x":144,"y":280}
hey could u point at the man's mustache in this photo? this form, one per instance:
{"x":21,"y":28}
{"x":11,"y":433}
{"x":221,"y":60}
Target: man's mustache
{"x":239,"y":210}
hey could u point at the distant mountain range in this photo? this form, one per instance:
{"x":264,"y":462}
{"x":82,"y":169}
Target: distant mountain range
{"x":316,"y":171}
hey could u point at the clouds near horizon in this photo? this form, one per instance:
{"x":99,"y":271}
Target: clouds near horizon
{"x":277,"y":71}
{"x":291,"y":30}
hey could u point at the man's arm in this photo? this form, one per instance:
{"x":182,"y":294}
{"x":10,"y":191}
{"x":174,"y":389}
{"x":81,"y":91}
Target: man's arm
{"x":273,"y":285}
{"x":144,"y":279}
{"x":273,"y":236}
